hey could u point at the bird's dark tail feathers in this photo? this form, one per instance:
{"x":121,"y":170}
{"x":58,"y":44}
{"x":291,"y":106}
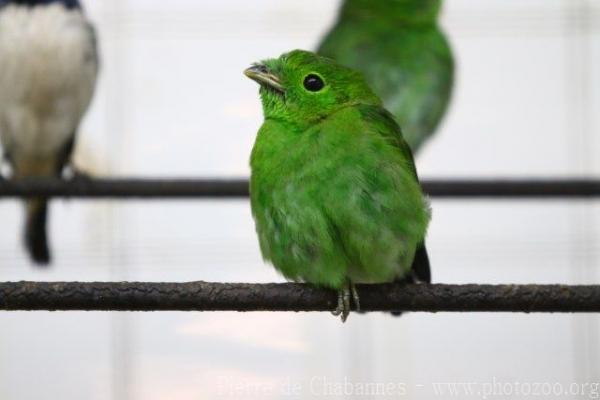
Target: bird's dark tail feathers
{"x":36,"y":240}
{"x":421,"y":272}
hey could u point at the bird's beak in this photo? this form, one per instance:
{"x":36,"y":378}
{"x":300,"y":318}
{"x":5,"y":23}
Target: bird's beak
{"x":261,"y":74}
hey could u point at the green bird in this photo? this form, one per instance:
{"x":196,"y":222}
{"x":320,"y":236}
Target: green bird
{"x":334,"y":190}
{"x":404,"y":55}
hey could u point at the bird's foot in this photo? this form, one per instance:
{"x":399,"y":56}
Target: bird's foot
{"x":344,"y":295}
{"x":343,"y":306}
{"x":355,"y":296}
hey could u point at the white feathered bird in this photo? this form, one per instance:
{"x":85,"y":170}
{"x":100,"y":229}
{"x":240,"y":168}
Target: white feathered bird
{"x":48,"y":70}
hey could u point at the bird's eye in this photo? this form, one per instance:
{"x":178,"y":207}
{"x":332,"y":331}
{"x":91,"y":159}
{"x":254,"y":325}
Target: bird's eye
{"x":313,"y":83}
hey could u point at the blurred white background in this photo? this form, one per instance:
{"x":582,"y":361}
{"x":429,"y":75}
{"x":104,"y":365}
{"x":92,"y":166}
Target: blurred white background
{"x":172,"y":101}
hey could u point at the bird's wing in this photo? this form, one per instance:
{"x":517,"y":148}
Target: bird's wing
{"x":386,"y":125}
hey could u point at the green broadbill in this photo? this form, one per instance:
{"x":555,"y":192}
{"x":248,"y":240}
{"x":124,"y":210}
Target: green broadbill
{"x":334,"y":190}
{"x":404,"y":55}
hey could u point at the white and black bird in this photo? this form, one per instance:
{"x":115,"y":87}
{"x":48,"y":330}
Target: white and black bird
{"x":48,"y":70}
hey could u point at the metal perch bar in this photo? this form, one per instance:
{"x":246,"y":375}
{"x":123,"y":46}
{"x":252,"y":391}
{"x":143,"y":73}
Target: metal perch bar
{"x":206,"y":296}
{"x":238,"y":188}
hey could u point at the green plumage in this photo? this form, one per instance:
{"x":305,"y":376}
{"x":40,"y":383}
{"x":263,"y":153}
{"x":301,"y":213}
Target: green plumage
{"x":334,"y":191}
{"x":404,"y":55}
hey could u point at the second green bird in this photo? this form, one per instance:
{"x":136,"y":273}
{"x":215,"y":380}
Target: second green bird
{"x":404,"y":55}
{"x":334,"y":190}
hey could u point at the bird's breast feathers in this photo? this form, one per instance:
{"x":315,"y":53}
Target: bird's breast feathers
{"x":48,"y":69}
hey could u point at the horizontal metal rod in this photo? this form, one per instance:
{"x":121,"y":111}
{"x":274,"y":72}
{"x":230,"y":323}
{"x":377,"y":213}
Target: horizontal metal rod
{"x":238,"y":188}
{"x":205,"y":296}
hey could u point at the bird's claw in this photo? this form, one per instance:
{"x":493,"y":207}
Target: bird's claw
{"x":355,"y":296}
{"x":343,"y":306}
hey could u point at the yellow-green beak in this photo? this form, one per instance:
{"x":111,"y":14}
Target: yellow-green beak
{"x":261,"y":74}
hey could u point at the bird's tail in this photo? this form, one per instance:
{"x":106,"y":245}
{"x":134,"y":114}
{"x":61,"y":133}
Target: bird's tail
{"x":421,"y":271}
{"x":36,"y":239}
{"x":420,"y":268}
